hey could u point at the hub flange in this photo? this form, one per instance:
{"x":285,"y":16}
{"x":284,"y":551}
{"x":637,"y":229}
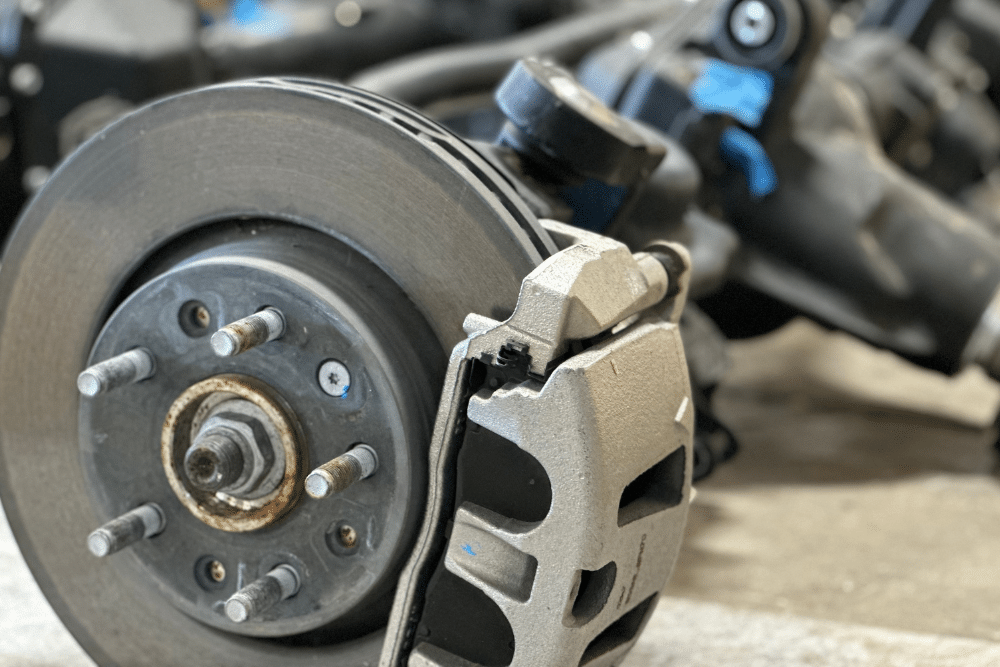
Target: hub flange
{"x":223,"y":444}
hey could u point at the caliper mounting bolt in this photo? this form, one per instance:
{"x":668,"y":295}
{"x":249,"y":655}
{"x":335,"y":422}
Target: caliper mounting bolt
{"x":246,"y":334}
{"x":337,"y":475}
{"x":143,"y":522}
{"x":257,"y":597}
{"x":127,"y":368}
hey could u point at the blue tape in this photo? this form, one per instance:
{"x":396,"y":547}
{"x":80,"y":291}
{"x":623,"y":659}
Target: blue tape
{"x":741,"y":92}
{"x":741,"y":149}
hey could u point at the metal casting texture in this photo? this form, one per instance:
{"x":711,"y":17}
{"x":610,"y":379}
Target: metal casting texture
{"x":588,"y":288}
{"x":628,"y":399}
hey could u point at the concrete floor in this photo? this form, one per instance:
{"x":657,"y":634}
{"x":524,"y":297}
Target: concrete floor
{"x":845,"y":504}
{"x":858,"y":527}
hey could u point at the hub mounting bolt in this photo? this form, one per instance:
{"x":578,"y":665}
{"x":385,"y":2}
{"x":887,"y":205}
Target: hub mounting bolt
{"x":257,"y":597}
{"x":340,"y":473}
{"x":248,"y":333}
{"x":752,"y":23}
{"x":126,"y":368}
{"x":141,"y":523}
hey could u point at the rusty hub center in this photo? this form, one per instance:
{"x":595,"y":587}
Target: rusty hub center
{"x":231,"y":452}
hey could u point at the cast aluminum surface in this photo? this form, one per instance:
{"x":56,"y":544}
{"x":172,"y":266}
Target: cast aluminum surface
{"x":577,"y":586}
{"x":595,"y":284}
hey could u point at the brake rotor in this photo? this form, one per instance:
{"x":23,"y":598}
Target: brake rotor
{"x":377,"y":229}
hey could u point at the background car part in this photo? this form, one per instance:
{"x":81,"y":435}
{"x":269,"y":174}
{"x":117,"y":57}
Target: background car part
{"x":254,"y":37}
{"x":457,"y":70}
{"x":928,"y":108}
{"x":62,"y":55}
{"x":882,"y":284}
{"x":573,"y":146}
{"x":77,"y":65}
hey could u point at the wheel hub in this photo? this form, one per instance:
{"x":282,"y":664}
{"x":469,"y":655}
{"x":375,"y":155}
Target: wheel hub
{"x":231,"y":453}
{"x":237,"y":435}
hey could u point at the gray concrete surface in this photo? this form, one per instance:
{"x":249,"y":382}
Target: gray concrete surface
{"x":857,"y":528}
{"x":685,"y":633}
{"x":850,"y":501}
{"x":31,"y":634}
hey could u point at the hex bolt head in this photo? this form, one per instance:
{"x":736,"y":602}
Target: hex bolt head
{"x":339,"y":474}
{"x":141,"y":523}
{"x":214,"y":462}
{"x":257,"y":597}
{"x":127,"y":368}
{"x":752,"y":23}
{"x":334,"y":378}
{"x":248,"y":333}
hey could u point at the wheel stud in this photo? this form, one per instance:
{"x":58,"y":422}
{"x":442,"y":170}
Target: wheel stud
{"x":141,"y":523}
{"x":248,"y":333}
{"x":256,"y":598}
{"x":126,"y":368}
{"x":340,"y":473}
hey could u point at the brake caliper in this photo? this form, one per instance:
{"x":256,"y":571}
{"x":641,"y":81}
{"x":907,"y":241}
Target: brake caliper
{"x":560,"y":469}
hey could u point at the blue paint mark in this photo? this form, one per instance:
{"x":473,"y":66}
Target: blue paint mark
{"x":255,"y":16}
{"x":741,"y":92}
{"x":467,"y":548}
{"x":741,"y":149}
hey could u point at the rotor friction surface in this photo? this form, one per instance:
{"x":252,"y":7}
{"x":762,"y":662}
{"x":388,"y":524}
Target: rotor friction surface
{"x":414,"y":199}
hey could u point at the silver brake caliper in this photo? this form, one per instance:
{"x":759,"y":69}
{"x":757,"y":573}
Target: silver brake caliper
{"x":560,"y":469}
